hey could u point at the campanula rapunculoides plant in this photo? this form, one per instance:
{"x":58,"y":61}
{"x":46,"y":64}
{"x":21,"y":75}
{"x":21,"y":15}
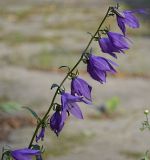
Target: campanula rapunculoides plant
{"x":98,"y":67}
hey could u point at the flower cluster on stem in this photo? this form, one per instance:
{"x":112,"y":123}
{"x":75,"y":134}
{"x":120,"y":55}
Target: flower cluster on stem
{"x":98,"y":67}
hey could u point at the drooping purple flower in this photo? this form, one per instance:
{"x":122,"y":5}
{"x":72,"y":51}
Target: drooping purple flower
{"x":69,"y":105}
{"x":107,"y":47}
{"x":98,"y":67}
{"x":56,"y":123}
{"x":118,"y":40}
{"x":41,"y":134}
{"x":24,"y":154}
{"x":81,"y":88}
{"x":128,"y":18}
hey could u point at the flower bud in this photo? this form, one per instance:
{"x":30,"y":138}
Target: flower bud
{"x":146,"y":112}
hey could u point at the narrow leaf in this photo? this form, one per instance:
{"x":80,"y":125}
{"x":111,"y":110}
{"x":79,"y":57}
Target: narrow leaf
{"x":32,"y":112}
{"x":65,"y":67}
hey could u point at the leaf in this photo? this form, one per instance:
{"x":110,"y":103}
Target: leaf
{"x":9,"y":106}
{"x":54,"y":85}
{"x":65,"y":67}
{"x":112,"y":104}
{"x":32,"y":112}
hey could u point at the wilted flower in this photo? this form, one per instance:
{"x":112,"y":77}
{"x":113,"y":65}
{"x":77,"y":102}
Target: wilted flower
{"x":127,"y":18}
{"x":97,"y":67}
{"x":24,"y":154}
{"x":118,"y":40}
{"x":41,"y":134}
{"x":56,"y":123}
{"x":108,"y":47}
{"x":81,"y":88}
{"x":69,"y":105}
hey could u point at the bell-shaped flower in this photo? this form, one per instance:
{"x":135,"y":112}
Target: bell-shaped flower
{"x":69,"y":105}
{"x":56,"y":123}
{"x":81,"y":88}
{"x":107,"y":47}
{"x":98,"y":67}
{"x":128,"y":18}
{"x":24,"y":154}
{"x":118,"y":40}
{"x":41,"y":134}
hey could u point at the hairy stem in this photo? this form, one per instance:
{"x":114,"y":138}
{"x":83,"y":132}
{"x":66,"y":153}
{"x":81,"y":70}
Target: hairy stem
{"x":57,"y":90}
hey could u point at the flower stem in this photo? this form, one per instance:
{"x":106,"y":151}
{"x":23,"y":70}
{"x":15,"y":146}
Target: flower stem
{"x":78,"y":62}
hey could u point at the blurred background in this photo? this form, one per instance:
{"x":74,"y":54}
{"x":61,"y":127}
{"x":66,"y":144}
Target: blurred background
{"x":36,"y":37}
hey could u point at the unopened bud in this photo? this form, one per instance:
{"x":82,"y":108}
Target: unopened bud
{"x":146,"y":112}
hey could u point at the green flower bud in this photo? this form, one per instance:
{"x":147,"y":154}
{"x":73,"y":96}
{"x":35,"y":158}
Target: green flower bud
{"x":146,"y":112}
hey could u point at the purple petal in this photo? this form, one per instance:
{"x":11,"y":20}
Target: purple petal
{"x":131,"y":20}
{"x":75,"y":110}
{"x":121,"y":24}
{"x":56,"y":123}
{"x":41,"y":134}
{"x":81,"y":88}
{"x":24,"y":154}
{"x":97,"y":67}
{"x":107,"y":47}
{"x":96,"y":74}
{"x":118,"y":40}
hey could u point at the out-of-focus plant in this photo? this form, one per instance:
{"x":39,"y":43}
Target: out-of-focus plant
{"x":112,"y":104}
{"x":9,"y":107}
{"x":109,"y":107}
{"x":146,"y":125}
{"x":111,"y":43}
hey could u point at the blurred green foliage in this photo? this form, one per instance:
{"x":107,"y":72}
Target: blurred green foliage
{"x":112,"y":104}
{"x":9,"y":106}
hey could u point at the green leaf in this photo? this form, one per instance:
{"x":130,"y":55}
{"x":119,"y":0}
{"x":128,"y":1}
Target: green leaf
{"x":54,"y":85}
{"x":32,"y":112}
{"x":64,"y":67}
{"x":9,"y":106}
{"x":145,"y":158}
{"x":112,"y":104}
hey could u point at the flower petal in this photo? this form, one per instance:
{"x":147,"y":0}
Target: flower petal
{"x":24,"y":154}
{"x":75,"y":110}
{"x":81,"y":88}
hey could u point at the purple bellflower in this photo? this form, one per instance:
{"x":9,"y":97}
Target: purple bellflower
{"x":108,"y":47}
{"x":81,"y":88}
{"x":56,"y":123}
{"x":41,"y":134}
{"x":97,"y":67}
{"x":128,"y":18}
{"x":118,"y":40}
{"x":24,"y":154}
{"x":69,"y":105}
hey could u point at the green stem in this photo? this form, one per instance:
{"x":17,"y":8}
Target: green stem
{"x":52,"y":102}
